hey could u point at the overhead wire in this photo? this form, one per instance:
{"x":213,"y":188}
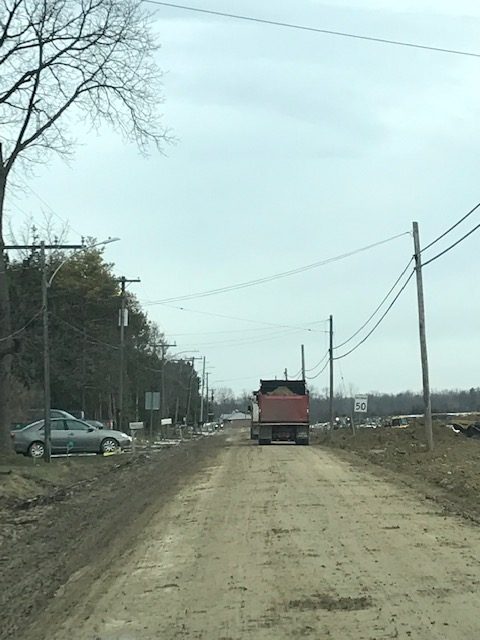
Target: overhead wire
{"x":377,"y":309}
{"x":236,"y":343}
{"x":442,"y":253}
{"x":319,"y":363}
{"x":450,"y":229}
{"x":249,"y":320}
{"x":382,"y":317}
{"x":276,"y":276}
{"x":88,"y":337}
{"x":17,"y":332}
{"x":320,"y":372}
{"x":330,"y":32}
{"x":52,"y":210}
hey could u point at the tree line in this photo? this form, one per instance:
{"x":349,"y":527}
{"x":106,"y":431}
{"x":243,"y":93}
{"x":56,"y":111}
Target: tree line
{"x":379,"y":404}
{"x":84,"y":303}
{"x":88,"y":61}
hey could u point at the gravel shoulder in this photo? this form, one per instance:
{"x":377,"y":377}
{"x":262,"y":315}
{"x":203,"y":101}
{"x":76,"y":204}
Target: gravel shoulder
{"x":273,"y":543}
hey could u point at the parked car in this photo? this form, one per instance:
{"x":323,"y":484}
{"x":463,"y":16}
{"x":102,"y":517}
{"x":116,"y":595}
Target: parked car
{"x":54,"y":413}
{"x":95,"y":423}
{"x":68,"y":436}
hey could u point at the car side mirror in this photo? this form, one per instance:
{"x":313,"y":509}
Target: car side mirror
{"x":90,"y":429}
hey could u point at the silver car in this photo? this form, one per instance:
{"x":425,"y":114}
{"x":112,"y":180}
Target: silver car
{"x":69,"y":436}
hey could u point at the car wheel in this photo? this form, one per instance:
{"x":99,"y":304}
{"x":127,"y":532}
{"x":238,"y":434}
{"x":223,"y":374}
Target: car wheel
{"x":36,"y":450}
{"x":109,"y":445}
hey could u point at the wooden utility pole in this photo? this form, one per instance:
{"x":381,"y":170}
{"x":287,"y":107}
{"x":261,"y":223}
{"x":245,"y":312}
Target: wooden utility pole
{"x":202,"y":397}
{"x":330,"y":351}
{"x":46,"y":358}
{"x":303,"y":362}
{"x":189,"y":395}
{"x":163,"y":346}
{"x":423,"y":340}
{"x":123,"y":322}
{"x":206,"y":396}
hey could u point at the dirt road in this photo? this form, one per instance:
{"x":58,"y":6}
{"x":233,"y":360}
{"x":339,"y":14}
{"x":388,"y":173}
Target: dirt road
{"x":281,"y":542}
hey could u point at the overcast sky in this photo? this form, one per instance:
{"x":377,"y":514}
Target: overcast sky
{"x":294,"y":147}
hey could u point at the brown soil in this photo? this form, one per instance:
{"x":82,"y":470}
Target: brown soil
{"x":450,"y":474}
{"x":273,"y":543}
{"x":56,"y":519}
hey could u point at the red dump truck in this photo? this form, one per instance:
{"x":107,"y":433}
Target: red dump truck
{"x":283,"y":411}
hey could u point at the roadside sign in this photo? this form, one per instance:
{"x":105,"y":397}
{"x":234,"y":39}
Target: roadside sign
{"x":135,"y":426}
{"x":123,"y":321}
{"x":360,"y":404}
{"x":166,"y":421}
{"x":152,"y":400}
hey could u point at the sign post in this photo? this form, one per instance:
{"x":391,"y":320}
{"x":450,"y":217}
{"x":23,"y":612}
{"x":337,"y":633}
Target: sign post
{"x":152,"y":403}
{"x":134,"y":427}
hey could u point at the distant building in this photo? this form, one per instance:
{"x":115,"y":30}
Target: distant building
{"x":236,"y":419}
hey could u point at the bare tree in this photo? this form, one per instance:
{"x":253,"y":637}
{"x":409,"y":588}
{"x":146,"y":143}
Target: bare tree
{"x":61,"y":59}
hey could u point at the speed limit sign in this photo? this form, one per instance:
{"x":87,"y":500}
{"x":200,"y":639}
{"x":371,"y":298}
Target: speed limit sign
{"x":360,"y":404}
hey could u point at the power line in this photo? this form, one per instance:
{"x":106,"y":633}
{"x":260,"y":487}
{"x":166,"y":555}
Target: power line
{"x":439,"y":255}
{"x":454,"y":226}
{"x":254,"y":340}
{"x":276,"y":276}
{"x":385,"y":298}
{"x":227,"y":317}
{"x":53,"y":212}
{"x":22,"y":329}
{"x":320,"y":372}
{"x":86,"y":335}
{"x":230,"y":331}
{"x":377,"y":324}
{"x":330,"y":32}
{"x":319,"y":362}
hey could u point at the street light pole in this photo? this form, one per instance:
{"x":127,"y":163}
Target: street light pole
{"x":46,"y":283}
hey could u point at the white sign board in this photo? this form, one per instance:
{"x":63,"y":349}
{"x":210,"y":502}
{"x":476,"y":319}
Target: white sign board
{"x":360,"y":404}
{"x":152,"y":400}
{"x":166,"y":421}
{"x":125,"y":317}
{"x":135,"y":426}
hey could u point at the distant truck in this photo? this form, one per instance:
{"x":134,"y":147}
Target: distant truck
{"x":283,"y":412}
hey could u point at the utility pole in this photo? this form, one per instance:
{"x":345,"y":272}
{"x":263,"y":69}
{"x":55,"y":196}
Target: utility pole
{"x":123,"y":322}
{"x":286,"y":374}
{"x":47,"y":454}
{"x":189,"y":396}
{"x":206,"y":397}
{"x":330,"y":351}
{"x":202,"y":397}
{"x":163,"y":346}
{"x":303,"y":362}
{"x":423,"y":340}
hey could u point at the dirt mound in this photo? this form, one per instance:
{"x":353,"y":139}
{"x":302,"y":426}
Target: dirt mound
{"x":453,"y":466}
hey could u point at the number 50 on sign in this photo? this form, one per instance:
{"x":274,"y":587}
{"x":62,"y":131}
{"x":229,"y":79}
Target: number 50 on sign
{"x":360,"y":404}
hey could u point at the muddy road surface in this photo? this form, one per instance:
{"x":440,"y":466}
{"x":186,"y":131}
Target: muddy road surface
{"x":278,"y":542}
